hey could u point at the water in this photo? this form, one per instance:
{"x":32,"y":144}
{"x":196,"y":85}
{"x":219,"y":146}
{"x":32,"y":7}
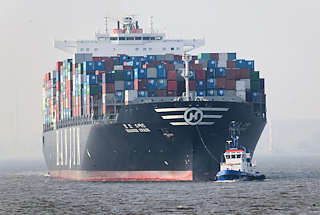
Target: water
{"x":292,"y":187}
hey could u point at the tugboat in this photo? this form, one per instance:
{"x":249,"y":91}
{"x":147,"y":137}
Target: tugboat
{"x":237,"y":163}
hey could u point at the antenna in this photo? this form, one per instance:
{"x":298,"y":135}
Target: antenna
{"x":186,"y":58}
{"x":151,"y":24}
{"x":106,"y":24}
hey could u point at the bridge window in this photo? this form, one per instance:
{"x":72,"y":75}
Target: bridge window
{"x":146,"y":38}
{"x":150,"y":49}
{"x":130,"y":38}
{"x":233,"y":156}
{"x":164,"y":48}
{"x":137,"y":38}
{"x":172,"y":49}
{"x":113,"y":38}
{"x":144,"y":49}
{"x":238,"y":156}
{"x":152,"y":38}
{"x":82,"y":49}
{"x":87,"y":49}
{"x":228,"y":156}
{"x":178,"y":48}
{"x":122,"y":38}
{"x":158,"y":38}
{"x":137,"y":49}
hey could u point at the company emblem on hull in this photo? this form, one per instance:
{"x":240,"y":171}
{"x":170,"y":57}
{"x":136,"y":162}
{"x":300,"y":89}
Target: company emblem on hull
{"x":191,"y":116}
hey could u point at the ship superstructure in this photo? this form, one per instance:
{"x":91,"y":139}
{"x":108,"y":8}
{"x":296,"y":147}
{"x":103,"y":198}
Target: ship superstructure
{"x":128,"y":38}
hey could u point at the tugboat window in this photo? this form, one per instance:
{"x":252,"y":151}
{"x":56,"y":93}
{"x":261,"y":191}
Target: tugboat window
{"x":137,"y":38}
{"x":122,"y":38}
{"x":146,"y":38}
{"x":233,"y":156}
{"x":238,"y":156}
{"x":228,"y":156}
{"x":130,"y":38}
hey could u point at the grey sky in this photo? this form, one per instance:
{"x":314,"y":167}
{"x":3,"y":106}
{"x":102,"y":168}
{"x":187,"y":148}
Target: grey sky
{"x":281,"y":36}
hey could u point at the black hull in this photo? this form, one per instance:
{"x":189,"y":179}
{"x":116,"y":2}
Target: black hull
{"x":151,"y":148}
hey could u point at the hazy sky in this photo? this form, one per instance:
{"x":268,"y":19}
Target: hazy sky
{"x":282,"y":36}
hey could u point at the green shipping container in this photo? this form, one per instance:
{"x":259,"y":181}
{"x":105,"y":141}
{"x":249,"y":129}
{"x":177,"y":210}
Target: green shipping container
{"x":254,"y":75}
{"x":119,"y":75}
{"x":92,"y":89}
{"x":255,"y":84}
{"x":204,"y":56}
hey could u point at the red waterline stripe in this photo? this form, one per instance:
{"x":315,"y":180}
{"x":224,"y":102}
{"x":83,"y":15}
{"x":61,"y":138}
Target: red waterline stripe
{"x":81,"y":175}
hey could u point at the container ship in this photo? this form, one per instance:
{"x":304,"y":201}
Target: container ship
{"x":131,"y":105}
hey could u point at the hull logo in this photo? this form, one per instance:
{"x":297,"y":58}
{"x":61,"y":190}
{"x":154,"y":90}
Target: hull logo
{"x":193,"y":116}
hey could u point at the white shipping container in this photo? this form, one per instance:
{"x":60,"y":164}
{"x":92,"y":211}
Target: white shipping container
{"x":131,"y":95}
{"x":242,"y":84}
{"x":119,"y":85}
{"x":241,"y":94}
{"x":151,"y":73}
{"x":222,"y":63}
{"x":223,"y":56}
{"x":118,"y":67}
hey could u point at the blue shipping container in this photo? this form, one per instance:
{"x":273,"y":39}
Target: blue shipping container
{"x":232,"y":56}
{"x":140,"y":73}
{"x":142,"y":93}
{"x":99,"y":65}
{"x":212,"y":63}
{"x":152,"y":83}
{"x":151,"y":58}
{"x":221,"y":72}
{"x":152,"y":93}
{"x":210,"y":93}
{"x":192,"y":74}
{"x":128,"y":85}
{"x":88,"y":66}
{"x":220,"y":92}
{"x":201,"y":85}
{"x":92,"y":79}
{"x":201,"y":93}
{"x":162,"y":84}
{"x":211,"y":73}
{"x":211,"y":83}
{"x":128,"y":75}
{"x":119,"y":95}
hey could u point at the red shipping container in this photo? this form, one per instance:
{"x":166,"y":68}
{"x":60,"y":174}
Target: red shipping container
{"x":221,"y":83}
{"x":192,"y":85}
{"x":231,"y":64}
{"x":171,"y":75}
{"x":161,"y":93}
{"x":201,"y":75}
{"x":140,"y":84}
{"x":109,"y":109}
{"x":214,"y":56}
{"x":195,"y":66}
{"x":108,"y":88}
{"x":172,"y":85}
{"x":127,"y":68}
{"x":172,"y":93}
{"x":244,"y":73}
{"x":169,"y":66}
{"x":231,"y":74}
{"x":59,"y":66}
{"x":108,"y":65}
{"x":230,"y":84}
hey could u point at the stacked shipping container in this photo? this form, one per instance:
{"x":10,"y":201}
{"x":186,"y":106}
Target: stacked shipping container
{"x":96,"y":85}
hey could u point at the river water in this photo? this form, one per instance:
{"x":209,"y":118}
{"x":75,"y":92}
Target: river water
{"x":292,"y":187}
